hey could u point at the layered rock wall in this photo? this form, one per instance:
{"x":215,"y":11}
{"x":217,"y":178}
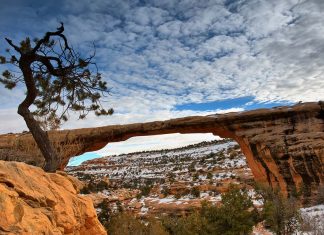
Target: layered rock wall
{"x":284,"y":146}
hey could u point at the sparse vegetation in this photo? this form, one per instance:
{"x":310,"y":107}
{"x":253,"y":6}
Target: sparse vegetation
{"x":233,"y":217}
{"x":93,"y":187}
{"x":195,"y":192}
{"x":281,"y":214}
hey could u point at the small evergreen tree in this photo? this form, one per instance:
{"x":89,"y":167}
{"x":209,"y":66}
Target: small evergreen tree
{"x":57,"y":81}
{"x":281,"y":214}
{"x":234,"y":217}
{"x":209,"y":175}
{"x":105,"y":213}
{"x":195,"y":192}
{"x":188,"y":225}
{"x":127,"y":224}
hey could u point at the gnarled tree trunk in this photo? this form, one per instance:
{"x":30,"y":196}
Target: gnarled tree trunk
{"x":60,"y":78}
{"x":40,"y":136}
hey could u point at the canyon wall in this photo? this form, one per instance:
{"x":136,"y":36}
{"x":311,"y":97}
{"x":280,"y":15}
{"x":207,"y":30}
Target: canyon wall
{"x":284,"y":146}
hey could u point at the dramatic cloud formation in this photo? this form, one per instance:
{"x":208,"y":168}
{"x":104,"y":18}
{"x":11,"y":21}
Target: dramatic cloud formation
{"x":158,"y":55}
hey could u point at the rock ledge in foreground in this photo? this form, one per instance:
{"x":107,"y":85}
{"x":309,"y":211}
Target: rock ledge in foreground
{"x":35,"y":202}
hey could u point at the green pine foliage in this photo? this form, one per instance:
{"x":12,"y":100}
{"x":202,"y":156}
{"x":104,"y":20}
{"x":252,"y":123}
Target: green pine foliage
{"x":127,"y":224}
{"x":281,"y":214}
{"x":63,"y":79}
{"x":234,"y":217}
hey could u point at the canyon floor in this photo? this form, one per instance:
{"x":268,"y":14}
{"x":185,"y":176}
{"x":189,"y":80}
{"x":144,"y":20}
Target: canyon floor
{"x":166,"y":181}
{"x":171,"y":181}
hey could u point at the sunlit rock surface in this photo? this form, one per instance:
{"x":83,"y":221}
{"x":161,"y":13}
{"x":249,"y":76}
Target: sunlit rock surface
{"x":35,"y":202}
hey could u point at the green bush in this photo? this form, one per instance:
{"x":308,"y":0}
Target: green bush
{"x":165,"y":191}
{"x":209,"y":175}
{"x":234,"y":217}
{"x":192,"y":224}
{"x":105,"y":213}
{"x":195,"y":192}
{"x":145,"y":190}
{"x":281,"y":214}
{"x":127,"y":224}
{"x":195,"y":177}
{"x":93,"y":187}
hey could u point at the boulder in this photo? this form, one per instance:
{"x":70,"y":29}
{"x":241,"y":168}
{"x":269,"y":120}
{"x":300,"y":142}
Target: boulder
{"x":35,"y":202}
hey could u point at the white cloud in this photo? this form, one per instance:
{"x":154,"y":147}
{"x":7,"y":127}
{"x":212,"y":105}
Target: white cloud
{"x":11,"y":121}
{"x":166,"y":53}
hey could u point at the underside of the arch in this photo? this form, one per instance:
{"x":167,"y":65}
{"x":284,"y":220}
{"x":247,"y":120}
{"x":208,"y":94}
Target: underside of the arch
{"x":284,"y":146}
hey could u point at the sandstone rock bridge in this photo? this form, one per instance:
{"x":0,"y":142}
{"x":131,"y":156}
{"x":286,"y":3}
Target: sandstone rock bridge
{"x":284,"y":146}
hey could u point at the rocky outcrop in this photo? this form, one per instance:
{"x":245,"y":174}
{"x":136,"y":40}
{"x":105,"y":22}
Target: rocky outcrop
{"x":35,"y":202}
{"x":284,"y":146}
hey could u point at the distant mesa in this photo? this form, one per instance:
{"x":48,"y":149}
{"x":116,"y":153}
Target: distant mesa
{"x":284,"y":146}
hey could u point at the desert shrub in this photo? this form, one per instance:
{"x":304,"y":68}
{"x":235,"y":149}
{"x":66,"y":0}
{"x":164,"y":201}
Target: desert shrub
{"x":85,"y":190}
{"x":312,"y":225}
{"x":165,"y":191}
{"x":138,"y":196}
{"x":102,"y":185}
{"x":191,"y":167}
{"x":209,"y":175}
{"x":127,"y":224}
{"x":171,"y":176}
{"x":94,"y":187}
{"x":155,"y":227}
{"x":195,"y":176}
{"x":187,"y":225}
{"x":178,"y":195}
{"x":233,"y":154}
{"x":145,"y":190}
{"x":281,"y":214}
{"x":195,"y":192}
{"x":104,"y":213}
{"x":236,"y":146}
{"x":120,"y":207}
{"x":233,"y":217}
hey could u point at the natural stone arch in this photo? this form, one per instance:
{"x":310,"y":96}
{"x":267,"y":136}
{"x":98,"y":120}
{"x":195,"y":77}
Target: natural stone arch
{"x":283,"y":146}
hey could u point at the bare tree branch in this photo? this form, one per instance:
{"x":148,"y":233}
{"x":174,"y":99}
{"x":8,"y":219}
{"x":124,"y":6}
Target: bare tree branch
{"x":13,"y":45}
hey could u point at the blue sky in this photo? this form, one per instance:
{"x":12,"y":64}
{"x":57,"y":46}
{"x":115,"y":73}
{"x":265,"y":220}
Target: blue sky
{"x":174,"y":58}
{"x":245,"y":102}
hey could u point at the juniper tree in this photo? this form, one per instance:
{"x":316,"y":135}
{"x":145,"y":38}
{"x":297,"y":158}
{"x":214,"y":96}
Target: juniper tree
{"x":58,"y":80}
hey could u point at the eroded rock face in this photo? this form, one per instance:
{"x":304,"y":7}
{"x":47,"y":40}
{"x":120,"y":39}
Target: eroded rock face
{"x":284,"y":146}
{"x":35,"y":202}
